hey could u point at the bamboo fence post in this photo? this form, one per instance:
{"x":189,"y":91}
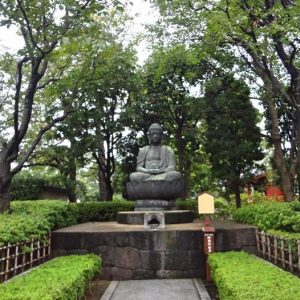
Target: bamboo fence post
{"x":269,"y":247}
{"x":290,"y":256}
{"x":257,"y":233}
{"x":49,"y":245}
{"x":38,"y":250}
{"x":282,"y":252}
{"x":263,"y":241}
{"x":7,"y":262}
{"x":23,"y":261}
{"x":275,"y":250}
{"x":16,"y":258}
{"x":31,"y":253}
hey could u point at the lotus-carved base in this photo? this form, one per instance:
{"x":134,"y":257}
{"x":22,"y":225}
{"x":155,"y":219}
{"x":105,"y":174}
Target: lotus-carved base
{"x":155,"y":194}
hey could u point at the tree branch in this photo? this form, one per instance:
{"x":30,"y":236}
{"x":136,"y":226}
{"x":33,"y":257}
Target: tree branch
{"x":38,"y":138}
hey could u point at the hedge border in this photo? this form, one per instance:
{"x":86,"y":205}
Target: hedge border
{"x":241,"y":276}
{"x":62,"y":278}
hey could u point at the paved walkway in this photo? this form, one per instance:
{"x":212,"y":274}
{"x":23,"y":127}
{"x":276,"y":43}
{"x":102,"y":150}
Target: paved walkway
{"x":157,"y":289}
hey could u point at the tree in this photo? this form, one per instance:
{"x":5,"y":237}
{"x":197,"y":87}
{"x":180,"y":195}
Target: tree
{"x":232,"y":135}
{"x":43,"y":25}
{"x":170,"y":74}
{"x":265,"y":35}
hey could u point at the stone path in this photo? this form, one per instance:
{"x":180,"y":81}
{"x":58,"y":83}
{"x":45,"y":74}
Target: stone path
{"x":157,"y":289}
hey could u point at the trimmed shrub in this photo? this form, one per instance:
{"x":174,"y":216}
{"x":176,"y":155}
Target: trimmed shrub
{"x":188,"y":204}
{"x":24,"y":188}
{"x":222,"y":209}
{"x":56,"y":212}
{"x":35,"y":219}
{"x":99,"y":211}
{"x":240,"y":276}
{"x":63,"y":278}
{"x":274,"y":215}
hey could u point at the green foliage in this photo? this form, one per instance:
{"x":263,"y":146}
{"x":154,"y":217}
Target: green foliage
{"x":63,"y":278}
{"x":56,"y":213}
{"x":26,"y":186}
{"x":240,"y":276}
{"x":272,"y":215}
{"x":255,"y":198}
{"x":35,"y":219}
{"x":232,"y":138}
{"x":223,"y":210}
{"x":99,"y":211}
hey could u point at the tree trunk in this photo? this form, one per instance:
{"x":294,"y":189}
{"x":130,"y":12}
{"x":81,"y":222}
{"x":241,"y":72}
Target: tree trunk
{"x":285,"y":178}
{"x":5,"y":186}
{"x":105,"y":188}
{"x":72,"y":182}
{"x":236,"y":189}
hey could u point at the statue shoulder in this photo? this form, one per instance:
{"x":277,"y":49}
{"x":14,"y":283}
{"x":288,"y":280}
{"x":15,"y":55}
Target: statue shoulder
{"x":143,"y":151}
{"x":168,"y":148}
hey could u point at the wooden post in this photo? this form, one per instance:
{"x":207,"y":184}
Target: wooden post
{"x":269,"y":247}
{"x":206,"y":206}
{"x":257,"y":235}
{"x":275,"y":250}
{"x":282,"y":252}
{"x":7,"y":262}
{"x":290,"y":257}
{"x":31,"y":253}
{"x":209,"y":244}
{"x":16,"y":259}
{"x":263,"y":242}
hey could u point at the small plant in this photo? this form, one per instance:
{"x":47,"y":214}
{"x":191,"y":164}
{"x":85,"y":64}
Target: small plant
{"x":63,"y":278}
{"x":240,"y":276}
{"x":271,"y":215}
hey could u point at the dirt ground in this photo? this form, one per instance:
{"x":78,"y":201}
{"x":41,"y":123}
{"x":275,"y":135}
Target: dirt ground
{"x":96,"y":289}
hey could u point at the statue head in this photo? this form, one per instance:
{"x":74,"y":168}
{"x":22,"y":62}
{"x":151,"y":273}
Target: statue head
{"x":155,"y":134}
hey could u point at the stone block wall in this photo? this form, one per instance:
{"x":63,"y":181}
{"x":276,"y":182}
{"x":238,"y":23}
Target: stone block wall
{"x":149,"y":254}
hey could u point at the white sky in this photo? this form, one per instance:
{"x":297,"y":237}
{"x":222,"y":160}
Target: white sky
{"x":141,"y":11}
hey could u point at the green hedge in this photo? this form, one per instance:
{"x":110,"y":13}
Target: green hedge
{"x":63,"y":278}
{"x":240,"y":276}
{"x":272,"y":215}
{"x":35,"y":219}
{"x":222,"y":208}
{"x":99,"y":211}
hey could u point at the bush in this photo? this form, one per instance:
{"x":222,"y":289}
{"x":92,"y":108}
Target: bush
{"x":240,"y":276}
{"x":188,"y":204}
{"x":99,"y":211}
{"x":24,"y":188}
{"x":35,"y":219}
{"x":273,"y":215}
{"x":222,"y":209}
{"x":63,"y":278}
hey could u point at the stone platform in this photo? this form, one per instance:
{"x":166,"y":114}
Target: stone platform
{"x":171,"y":217}
{"x":132,"y":252}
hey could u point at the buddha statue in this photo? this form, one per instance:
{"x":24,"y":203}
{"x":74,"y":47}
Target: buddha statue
{"x":156,"y":183}
{"x":155,"y":161}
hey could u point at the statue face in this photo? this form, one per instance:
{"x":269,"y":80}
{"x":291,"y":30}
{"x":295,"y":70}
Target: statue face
{"x":155,"y":136}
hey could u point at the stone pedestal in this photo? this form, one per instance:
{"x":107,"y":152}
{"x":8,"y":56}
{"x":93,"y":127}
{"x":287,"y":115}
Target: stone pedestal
{"x":133,"y":252}
{"x":155,"y":194}
{"x":154,"y":205}
{"x":171,"y":217}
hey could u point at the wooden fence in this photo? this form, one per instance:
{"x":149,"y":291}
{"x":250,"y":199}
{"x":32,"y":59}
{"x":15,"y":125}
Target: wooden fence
{"x":282,"y":252}
{"x":17,"y":258}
